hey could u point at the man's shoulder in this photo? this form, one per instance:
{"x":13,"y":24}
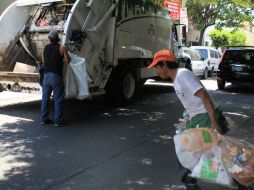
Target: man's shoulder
{"x":63,"y":47}
{"x":181,"y":72}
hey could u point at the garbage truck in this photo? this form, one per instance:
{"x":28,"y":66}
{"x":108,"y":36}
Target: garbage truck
{"x":117,"y":38}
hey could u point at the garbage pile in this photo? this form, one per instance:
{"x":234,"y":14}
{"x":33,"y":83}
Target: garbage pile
{"x":215,"y":158}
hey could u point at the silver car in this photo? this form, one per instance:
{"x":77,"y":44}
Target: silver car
{"x":198,"y":63}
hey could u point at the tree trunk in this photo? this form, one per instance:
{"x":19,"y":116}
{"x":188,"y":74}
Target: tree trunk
{"x":202,"y":31}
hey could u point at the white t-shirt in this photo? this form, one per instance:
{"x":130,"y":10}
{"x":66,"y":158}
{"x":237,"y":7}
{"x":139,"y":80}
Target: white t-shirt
{"x":186,"y":85}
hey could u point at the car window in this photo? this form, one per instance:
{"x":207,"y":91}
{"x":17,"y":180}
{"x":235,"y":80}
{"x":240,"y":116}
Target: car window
{"x":186,"y":51}
{"x":212,"y":54}
{"x":216,"y":54}
{"x":203,"y":52}
{"x":239,"y":56}
{"x":195,"y":55}
{"x":219,"y":55}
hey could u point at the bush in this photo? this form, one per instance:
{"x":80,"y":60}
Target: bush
{"x":224,"y":38}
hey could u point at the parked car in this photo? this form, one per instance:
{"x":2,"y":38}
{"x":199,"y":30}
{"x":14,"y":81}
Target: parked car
{"x":198,"y":65}
{"x":211,"y":55}
{"x":236,"y":66}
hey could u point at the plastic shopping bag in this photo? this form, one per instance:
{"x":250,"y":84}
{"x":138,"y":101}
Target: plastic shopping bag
{"x":238,"y":156}
{"x":211,"y":168}
{"x":186,"y":158}
{"x":198,"y":139}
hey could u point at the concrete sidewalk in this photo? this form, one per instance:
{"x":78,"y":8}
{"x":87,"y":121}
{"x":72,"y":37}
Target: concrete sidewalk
{"x":11,"y":98}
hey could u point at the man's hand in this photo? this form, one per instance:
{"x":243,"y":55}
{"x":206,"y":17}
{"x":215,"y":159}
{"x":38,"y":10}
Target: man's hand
{"x":216,"y":127}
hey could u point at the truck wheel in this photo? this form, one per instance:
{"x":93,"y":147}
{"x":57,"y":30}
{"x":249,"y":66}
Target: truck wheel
{"x":123,"y":86}
{"x":205,"y":74}
{"x":221,"y":84}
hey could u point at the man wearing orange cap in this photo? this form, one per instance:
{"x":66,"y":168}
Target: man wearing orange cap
{"x":203,"y":112}
{"x":189,"y":90}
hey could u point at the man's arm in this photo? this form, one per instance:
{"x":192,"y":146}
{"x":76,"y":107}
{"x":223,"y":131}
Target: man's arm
{"x":65,"y":54}
{"x":205,"y":98}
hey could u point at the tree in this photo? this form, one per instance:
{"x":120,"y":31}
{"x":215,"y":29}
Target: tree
{"x":237,"y":38}
{"x":222,"y":13}
{"x":224,"y":38}
{"x":219,"y":38}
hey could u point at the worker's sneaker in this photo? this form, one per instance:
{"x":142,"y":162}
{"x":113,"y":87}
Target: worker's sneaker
{"x":190,"y":182}
{"x":59,"y":124}
{"x":177,"y":187}
{"x":46,"y":122}
{"x":192,"y":186}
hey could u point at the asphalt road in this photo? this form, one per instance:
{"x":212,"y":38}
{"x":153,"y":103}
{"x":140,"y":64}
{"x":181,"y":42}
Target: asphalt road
{"x":103,"y":147}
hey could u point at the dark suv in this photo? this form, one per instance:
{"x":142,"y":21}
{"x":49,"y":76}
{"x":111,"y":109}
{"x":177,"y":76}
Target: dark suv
{"x":236,"y":66}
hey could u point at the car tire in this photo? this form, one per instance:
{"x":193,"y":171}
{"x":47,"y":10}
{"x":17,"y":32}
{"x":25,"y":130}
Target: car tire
{"x":221,"y":84}
{"x":205,"y":74}
{"x":210,"y":73}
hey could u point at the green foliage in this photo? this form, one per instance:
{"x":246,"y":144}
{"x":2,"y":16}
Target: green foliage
{"x":224,"y":38}
{"x":222,"y":13}
{"x":219,"y":38}
{"x":237,"y":38}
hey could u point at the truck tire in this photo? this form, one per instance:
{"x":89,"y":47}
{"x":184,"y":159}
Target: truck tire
{"x":221,"y":84}
{"x":123,"y":86}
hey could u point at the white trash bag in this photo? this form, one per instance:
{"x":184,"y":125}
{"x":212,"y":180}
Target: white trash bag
{"x":71,"y":89}
{"x":77,"y":80}
{"x":211,"y":168}
{"x":186,"y":158}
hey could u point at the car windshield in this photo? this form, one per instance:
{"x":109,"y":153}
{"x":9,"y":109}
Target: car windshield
{"x":240,"y":56}
{"x":194,"y":55}
{"x":203,"y":52}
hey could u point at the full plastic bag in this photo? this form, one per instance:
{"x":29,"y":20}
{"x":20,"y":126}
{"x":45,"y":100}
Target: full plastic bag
{"x":198,"y":139}
{"x":211,"y":168}
{"x":238,"y":157}
{"x":71,"y":89}
{"x":76,"y":83}
{"x":186,"y":158}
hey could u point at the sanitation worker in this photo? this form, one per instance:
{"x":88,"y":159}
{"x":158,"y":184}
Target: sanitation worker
{"x":202,"y":110}
{"x":53,"y":58}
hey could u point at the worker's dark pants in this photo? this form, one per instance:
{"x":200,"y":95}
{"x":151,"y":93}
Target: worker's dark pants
{"x":52,"y":82}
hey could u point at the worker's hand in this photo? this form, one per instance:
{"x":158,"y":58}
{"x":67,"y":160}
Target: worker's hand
{"x":216,"y":127}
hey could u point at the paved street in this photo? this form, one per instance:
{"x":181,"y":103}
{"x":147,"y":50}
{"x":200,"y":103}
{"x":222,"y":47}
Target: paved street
{"x":103,"y":147}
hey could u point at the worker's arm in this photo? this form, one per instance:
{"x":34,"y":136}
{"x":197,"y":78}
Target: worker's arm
{"x":65,"y":54}
{"x":205,"y":98}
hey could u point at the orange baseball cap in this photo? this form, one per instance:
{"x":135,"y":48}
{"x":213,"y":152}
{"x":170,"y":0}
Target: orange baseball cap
{"x":162,"y":55}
